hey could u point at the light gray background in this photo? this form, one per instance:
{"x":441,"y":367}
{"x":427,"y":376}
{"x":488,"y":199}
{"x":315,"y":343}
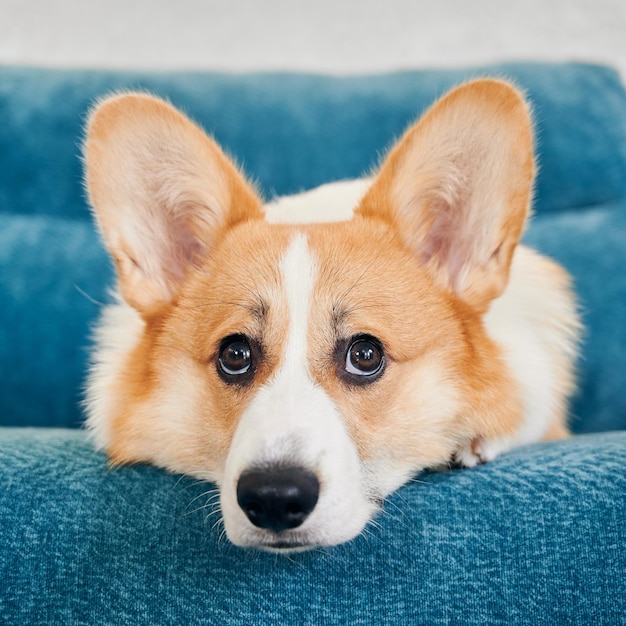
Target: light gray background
{"x":323,"y":36}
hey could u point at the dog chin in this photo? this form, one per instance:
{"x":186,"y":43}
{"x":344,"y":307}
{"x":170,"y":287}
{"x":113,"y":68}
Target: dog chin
{"x":281,"y":545}
{"x":288,"y":542}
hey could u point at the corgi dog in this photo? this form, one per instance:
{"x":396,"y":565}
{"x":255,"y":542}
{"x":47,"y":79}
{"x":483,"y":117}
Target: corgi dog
{"x":313,"y":354}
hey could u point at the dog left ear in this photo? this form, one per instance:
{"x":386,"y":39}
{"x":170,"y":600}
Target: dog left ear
{"x":162,"y":192}
{"x":457,"y":187}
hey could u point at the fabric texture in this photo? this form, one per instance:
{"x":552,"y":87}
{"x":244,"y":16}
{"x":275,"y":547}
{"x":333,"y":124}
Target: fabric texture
{"x":536,"y":537}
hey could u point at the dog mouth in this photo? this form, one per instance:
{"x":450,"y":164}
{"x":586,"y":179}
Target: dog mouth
{"x":284,"y":546}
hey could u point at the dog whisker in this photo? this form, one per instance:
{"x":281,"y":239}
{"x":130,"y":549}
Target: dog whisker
{"x":91,"y":299}
{"x":221,"y":536}
{"x":211,"y":496}
{"x":202,"y":508}
{"x":218,"y":522}
{"x":417,"y":480}
{"x":397,"y":508}
{"x":211,"y":509}
{"x":367,"y":533}
{"x":213,"y":500}
{"x":181,"y":478}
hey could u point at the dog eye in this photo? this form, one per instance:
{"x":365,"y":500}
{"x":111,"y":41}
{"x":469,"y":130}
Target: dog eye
{"x":235,"y":358}
{"x":365,"y":358}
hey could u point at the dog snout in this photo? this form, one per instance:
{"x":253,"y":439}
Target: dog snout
{"x":278,"y":498}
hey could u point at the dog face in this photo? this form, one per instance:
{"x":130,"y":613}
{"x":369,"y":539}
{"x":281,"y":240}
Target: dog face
{"x":309,"y":370}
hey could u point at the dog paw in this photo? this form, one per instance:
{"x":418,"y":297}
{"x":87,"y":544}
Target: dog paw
{"x":482,"y":450}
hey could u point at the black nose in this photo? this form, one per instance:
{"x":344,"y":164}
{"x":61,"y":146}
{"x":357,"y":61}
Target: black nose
{"x":278,"y":498}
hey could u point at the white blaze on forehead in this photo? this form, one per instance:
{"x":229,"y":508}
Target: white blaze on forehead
{"x":292,"y":421}
{"x":298,"y":271}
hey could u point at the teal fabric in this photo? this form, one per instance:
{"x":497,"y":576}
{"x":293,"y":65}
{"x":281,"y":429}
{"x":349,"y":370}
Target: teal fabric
{"x":294,"y":132}
{"x":536,"y":537}
{"x":53,"y":276}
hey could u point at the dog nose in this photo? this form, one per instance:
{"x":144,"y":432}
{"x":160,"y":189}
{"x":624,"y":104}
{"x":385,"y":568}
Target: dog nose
{"x":278,"y":498}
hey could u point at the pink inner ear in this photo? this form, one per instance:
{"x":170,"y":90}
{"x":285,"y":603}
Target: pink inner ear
{"x":446,"y":243}
{"x":164,"y":242}
{"x":183,"y":222}
{"x":458,"y":186}
{"x":184,"y":251}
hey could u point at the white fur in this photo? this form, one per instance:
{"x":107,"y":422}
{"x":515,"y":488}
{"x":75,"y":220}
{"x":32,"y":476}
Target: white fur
{"x":291,"y":420}
{"x":333,"y":202}
{"x":533,"y":322}
{"x":120,"y":326}
{"x":530,"y":321}
{"x":118,"y":332}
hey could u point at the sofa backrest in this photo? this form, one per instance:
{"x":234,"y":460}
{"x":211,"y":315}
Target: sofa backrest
{"x":293,"y":132}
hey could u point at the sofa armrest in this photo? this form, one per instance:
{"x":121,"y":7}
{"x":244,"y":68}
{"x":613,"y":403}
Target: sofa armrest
{"x":535,"y":537}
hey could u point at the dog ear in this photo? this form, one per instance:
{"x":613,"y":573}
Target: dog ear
{"x":457,"y":187}
{"x":162,"y":191}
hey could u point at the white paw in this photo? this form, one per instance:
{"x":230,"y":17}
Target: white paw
{"x":482,"y":450}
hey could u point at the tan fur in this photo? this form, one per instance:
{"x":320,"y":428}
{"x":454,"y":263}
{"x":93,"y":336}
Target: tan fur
{"x":399,"y":415}
{"x":177,"y":353}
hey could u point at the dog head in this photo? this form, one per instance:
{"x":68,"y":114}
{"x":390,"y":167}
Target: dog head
{"x":309,"y":370}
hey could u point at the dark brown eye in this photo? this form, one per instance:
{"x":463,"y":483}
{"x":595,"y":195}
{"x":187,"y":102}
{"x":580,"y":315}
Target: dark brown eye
{"x":235,"y":358}
{"x":365,"y":359}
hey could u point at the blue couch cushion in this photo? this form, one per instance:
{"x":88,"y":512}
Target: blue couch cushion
{"x":53,"y":275}
{"x":535,"y":537}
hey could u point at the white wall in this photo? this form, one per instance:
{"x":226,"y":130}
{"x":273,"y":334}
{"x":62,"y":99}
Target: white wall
{"x":325,"y":35}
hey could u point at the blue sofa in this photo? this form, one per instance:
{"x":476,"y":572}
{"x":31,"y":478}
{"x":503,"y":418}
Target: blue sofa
{"x":536,"y":537}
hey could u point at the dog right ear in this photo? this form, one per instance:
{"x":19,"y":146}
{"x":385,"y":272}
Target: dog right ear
{"x":161,"y":191}
{"x":457,"y":188}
